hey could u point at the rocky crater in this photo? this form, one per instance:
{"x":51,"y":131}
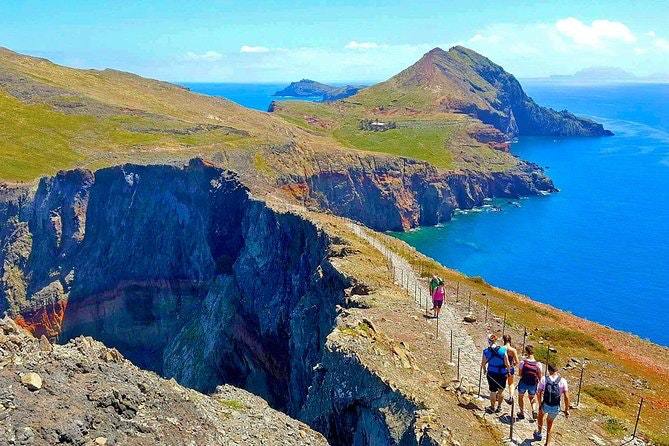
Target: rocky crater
{"x":188,"y":275}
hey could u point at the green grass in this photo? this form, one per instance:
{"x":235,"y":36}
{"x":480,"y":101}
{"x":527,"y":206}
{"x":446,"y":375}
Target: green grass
{"x":606,"y":395}
{"x":423,"y":143}
{"x":614,"y":427}
{"x":234,"y":405}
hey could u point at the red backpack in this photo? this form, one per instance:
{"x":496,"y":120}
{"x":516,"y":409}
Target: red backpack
{"x":530,"y":373}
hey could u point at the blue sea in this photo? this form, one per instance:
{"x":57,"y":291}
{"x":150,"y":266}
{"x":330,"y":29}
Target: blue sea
{"x":600,"y":247}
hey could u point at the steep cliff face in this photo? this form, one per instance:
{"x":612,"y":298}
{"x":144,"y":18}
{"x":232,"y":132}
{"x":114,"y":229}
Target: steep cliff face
{"x":401,"y":194}
{"x":188,"y":275}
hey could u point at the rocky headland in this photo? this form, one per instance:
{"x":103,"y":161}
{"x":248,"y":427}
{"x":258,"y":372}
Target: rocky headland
{"x":306,"y":88}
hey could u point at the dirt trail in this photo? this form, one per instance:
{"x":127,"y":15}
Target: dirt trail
{"x":469,"y":339}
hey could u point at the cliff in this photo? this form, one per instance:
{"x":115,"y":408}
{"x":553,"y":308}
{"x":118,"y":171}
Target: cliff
{"x":187,"y":275}
{"x":307,"y":88}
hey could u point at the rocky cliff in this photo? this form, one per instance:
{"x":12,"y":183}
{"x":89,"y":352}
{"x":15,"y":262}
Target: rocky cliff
{"x":83,"y":393}
{"x":187,"y":275}
{"x":399,"y":194}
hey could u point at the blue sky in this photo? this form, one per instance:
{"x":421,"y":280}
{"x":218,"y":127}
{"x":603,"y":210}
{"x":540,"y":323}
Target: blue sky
{"x":277,"y":41}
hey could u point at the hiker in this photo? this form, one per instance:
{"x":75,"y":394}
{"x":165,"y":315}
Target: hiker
{"x":438,"y":298}
{"x":550,"y":390}
{"x":530,"y":371}
{"x":434,"y":283}
{"x":497,"y":362}
{"x":512,"y":353}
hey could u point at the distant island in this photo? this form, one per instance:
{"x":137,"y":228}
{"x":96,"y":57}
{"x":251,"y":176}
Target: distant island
{"x":306,"y":88}
{"x":602,"y":75}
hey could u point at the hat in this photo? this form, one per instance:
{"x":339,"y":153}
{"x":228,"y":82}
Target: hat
{"x":492,"y":337}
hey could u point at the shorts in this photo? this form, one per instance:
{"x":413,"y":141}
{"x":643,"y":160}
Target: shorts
{"x":496,"y":381}
{"x":437,"y":303}
{"x":550,"y":411}
{"x":512,"y":371}
{"x":523,"y":388}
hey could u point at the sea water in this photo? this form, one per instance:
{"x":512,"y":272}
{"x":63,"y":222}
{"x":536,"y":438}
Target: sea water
{"x":600,"y":247}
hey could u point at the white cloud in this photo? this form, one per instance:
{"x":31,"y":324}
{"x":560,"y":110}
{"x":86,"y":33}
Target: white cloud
{"x":661,"y":44}
{"x":253,"y":49}
{"x":354,"y":45}
{"x":595,"y":35}
{"x":208,"y":56}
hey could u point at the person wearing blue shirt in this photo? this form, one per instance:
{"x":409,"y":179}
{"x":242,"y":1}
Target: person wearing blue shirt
{"x":495,"y":361}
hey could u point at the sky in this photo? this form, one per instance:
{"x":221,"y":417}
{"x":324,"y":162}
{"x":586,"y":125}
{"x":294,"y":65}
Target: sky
{"x":280,"y":41}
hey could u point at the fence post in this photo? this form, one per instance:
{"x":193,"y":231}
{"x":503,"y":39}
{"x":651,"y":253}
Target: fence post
{"x":513,"y":407}
{"x":504,"y":325}
{"x":486,"y":309}
{"x":580,"y":383}
{"x":524,"y":338}
{"x":451,"y":361}
{"x":459,"y":365}
{"x":457,"y":293}
{"x":638,"y":415}
{"x":469,"y":304}
{"x":548,"y":357}
{"x":437,"y":327}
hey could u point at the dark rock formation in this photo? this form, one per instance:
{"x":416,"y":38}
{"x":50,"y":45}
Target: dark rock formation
{"x":399,"y":194}
{"x":187,"y":275}
{"x":307,"y":88}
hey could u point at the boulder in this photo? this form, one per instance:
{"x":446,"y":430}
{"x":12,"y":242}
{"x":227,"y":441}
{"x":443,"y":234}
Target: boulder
{"x":32,"y":381}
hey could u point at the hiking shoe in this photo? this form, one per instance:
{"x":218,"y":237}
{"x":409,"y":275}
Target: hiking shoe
{"x":499,"y":409}
{"x":521,"y":416}
{"x":490,"y":410}
{"x":537,"y":436}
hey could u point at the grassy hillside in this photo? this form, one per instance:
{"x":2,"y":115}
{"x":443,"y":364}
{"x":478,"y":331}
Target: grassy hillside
{"x":54,"y":117}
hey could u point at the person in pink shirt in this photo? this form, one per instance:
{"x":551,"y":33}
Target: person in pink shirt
{"x":438,"y":297}
{"x":552,"y":389}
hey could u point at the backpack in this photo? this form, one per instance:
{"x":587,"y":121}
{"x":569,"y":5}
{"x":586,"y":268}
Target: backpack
{"x":498,"y":365}
{"x":552,"y":392}
{"x":530,"y":373}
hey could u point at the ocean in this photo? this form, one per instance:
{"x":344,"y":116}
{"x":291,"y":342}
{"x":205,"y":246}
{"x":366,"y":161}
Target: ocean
{"x":600,"y":247}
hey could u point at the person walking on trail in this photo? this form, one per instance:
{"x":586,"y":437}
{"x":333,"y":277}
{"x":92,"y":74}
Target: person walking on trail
{"x":434,"y":283}
{"x":551,"y":390}
{"x":496,"y":363}
{"x":438,"y":297}
{"x":512,"y":353}
{"x":530,"y":371}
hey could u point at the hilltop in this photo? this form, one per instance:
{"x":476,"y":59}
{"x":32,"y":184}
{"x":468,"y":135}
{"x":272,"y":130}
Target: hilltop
{"x":308,"y":88}
{"x":455,"y":109}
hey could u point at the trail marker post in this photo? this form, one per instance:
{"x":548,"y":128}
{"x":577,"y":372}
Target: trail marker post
{"x":504,"y":325}
{"x":486,"y":310}
{"x":457,"y":293}
{"x":548,"y":357}
{"x":638,"y":416}
{"x":469,"y":304}
{"x":437,"y":327}
{"x":524,"y":338}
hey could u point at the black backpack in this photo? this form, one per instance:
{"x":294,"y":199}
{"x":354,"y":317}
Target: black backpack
{"x":552,"y":392}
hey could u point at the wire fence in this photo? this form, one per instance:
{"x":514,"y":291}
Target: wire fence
{"x":464,"y":356}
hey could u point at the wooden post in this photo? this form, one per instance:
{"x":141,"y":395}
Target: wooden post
{"x":638,"y":416}
{"x":580,"y":383}
{"x":548,"y":356}
{"x":469,"y":304}
{"x":524,"y":339}
{"x":457,"y":293}
{"x":504,"y":325}
{"x":513,"y":408}
{"x":451,"y":361}
{"x":486,"y":309}
{"x":437,"y":327}
{"x":459,"y":365}
{"x":402,"y":277}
